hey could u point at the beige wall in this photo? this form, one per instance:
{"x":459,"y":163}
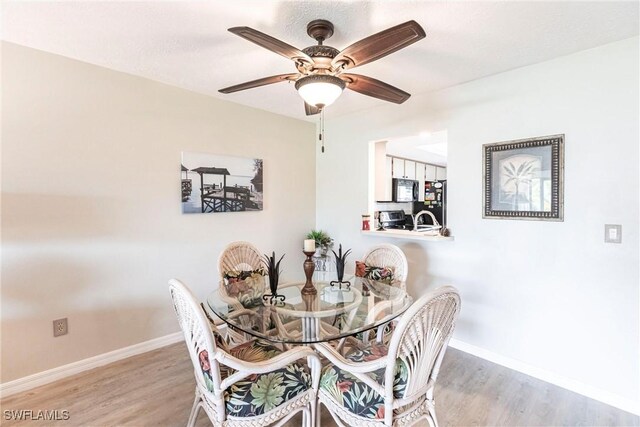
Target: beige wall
{"x":91,"y":222}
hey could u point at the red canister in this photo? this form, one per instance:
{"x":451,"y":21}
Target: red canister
{"x":366,"y":220}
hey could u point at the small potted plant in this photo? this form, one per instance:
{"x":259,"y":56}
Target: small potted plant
{"x":323,"y":241}
{"x":341,"y":259}
{"x":273,"y":270}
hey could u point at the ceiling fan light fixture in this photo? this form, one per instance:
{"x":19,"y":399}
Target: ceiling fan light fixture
{"x":320,"y":90}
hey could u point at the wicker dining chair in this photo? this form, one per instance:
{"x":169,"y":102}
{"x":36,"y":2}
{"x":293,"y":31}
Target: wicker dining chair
{"x":380,"y":385}
{"x":241,"y":392}
{"x":239,"y":256}
{"x":387,"y":255}
{"x":384,"y":255}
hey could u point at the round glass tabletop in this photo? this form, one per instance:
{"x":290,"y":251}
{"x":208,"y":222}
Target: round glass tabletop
{"x":333,"y":313}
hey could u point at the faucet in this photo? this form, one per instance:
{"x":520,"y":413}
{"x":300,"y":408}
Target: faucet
{"x":433,"y":217}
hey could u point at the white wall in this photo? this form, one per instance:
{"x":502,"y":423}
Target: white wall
{"x":91,"y":222}
{"x":549,"y":295}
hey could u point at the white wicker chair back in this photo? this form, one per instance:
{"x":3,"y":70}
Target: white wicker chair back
{"x":239,"y":256}
{"x":197,"y":332}
{"x":387,"y":255}
{"x":420,"y":341}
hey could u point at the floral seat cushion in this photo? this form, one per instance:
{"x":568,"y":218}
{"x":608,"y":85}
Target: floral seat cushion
{"x":231,"y":276}
{"x":258,"y":393}
{"x":247,"y":286}
{"x":357,"y":397}
{"x":379,"y":274}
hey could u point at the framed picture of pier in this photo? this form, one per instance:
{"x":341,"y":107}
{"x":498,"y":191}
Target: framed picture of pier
{"x":523,"y":179}
{"x":217,"y":183}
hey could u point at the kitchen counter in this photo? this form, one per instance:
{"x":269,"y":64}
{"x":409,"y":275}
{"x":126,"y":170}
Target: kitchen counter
{"x":408,"y":235}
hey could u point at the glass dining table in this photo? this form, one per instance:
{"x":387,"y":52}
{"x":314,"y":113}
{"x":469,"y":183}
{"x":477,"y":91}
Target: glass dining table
{"x":331,"y":314}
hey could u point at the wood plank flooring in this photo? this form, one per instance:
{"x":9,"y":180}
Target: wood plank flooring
{"x":156,"y":389}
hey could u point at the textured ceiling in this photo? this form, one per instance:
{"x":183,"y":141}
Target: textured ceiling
{"x":186,"y":43}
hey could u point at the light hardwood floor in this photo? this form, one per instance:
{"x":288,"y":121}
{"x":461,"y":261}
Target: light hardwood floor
{"x":156,"y":389}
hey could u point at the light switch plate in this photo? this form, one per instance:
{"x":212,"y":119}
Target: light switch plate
{"x":613,"y":233}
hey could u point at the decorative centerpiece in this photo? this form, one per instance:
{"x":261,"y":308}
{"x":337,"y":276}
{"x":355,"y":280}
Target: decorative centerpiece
{"x":323,"y":244}
{"x":273,"y":270}
{"x":322,"y":241}
{"x":341,"y":259}
{"x":309,"y":266}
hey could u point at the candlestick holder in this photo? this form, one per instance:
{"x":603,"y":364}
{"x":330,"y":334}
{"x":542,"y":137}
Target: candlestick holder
{"x":310,"y":302}
{"x":309,"y":266}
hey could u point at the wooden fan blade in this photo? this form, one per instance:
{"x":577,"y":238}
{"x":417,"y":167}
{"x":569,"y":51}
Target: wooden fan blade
{"x":375,"y":88}
{"x":260,"y":82}
{"x":379,"y":45}
{"x":271,"y":43}
{"x":310,"y":110}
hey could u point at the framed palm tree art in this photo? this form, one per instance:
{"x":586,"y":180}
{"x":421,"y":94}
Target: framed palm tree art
{"x":524,"y":179}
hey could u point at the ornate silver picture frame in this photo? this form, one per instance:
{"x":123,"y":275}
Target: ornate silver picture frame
{"x":524,"y":179}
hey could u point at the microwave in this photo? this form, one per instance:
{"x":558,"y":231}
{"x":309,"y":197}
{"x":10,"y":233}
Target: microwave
{"x":404,"y":190}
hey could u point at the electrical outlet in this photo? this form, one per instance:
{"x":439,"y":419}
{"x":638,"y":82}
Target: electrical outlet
{"x":612,"y":233}
{"x":60,"y":327}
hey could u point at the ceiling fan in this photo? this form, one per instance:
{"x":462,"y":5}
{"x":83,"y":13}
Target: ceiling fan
{"x":321,"y":76}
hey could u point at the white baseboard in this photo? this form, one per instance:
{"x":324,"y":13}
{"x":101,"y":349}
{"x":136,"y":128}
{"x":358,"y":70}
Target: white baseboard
{"x":45,"y":377}
{"x":550,"y":377}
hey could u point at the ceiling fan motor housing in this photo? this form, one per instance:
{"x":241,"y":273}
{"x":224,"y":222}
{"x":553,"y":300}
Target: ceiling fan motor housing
{"x":320,"y":29}
{"x":320,"y":51}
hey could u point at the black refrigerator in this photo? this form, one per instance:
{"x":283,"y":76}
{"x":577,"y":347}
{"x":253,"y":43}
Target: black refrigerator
{"x":433,"y":199}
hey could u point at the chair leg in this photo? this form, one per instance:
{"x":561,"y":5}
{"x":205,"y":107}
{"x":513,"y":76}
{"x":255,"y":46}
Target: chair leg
{"x":194,"y":411}
{"x":318,"y":413}
{"x":431,"y":417}
{"x":312,"y":414}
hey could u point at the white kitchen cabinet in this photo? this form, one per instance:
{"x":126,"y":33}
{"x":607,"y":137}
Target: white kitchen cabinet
{"x":389,"y":167}
{"x":398,"y":168}
{"x":409,"y":169}
{"x":441,"y":173}
{"x":420,"y":178}
{"x":430,"y":173}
